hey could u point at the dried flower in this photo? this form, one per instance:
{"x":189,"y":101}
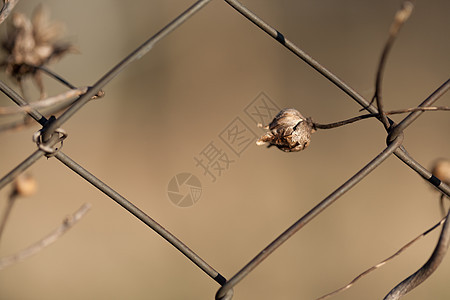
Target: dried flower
{"x":32,"y":43}
{"x":289,"y":131}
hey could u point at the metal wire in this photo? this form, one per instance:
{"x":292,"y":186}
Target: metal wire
{"x":309,"y":216}
{"x":394,"y":146}
{"x":141,"y":216}
{"x":136,"y":54}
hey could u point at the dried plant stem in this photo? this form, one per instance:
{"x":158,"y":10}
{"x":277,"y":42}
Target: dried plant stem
{"x":400,"y":18}
{"x":373,"y":268}
{"x":52,"y":237}
{"x":366,"y":116}
{"x":58,"y":99}
{"x":428,"y":268}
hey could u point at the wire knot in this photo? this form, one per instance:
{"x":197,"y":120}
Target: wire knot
{"x":50,"y":147}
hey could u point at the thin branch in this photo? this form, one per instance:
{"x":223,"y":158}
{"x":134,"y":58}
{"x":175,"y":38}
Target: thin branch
{"x":373,"y":268}
{"x":64,"y":98}
{"x":8,"y":6}
{"x":400,"y":18}
{"x":428,"y":268}
{"x":52,"y":237}
{"x":366,"y":116}
{"x":413,"y":109}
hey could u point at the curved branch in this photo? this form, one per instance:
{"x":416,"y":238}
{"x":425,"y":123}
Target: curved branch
{"x":427,"y":269}
{"x":380,"y":264}
{"x":400,"y":18}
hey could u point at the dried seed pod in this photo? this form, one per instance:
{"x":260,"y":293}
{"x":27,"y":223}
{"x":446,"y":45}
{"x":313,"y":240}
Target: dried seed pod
{"x":441,"y":169}
{"x":24,"y":185}
{"x":289,"y":131}
{"x":31,"y":43}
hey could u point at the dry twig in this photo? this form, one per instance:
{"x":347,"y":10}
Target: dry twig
{"x":52,"y":237}
{"x":400,"y":18}
{"x":428,"y":268}
{"x":373,"y":268}
{"x":63,"y":98}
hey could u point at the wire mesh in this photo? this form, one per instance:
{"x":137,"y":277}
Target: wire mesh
{"x":49,"y":139}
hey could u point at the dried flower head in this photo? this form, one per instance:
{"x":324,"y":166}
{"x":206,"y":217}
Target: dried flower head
{"x":289,"y":131}
{"x":441,"y":169}
{"x":32,"y":43}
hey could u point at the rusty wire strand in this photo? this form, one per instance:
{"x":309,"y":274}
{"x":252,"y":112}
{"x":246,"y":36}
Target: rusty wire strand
{"x":428,"y":268}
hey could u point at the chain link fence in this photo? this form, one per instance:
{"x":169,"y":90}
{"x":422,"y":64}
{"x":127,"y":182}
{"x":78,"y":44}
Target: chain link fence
{"x":188,"y":168}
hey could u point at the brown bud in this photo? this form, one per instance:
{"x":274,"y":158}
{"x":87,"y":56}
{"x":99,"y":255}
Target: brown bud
{"x":289,"y":131}
{"x":441,"y":169}
{"x":25,"y":185}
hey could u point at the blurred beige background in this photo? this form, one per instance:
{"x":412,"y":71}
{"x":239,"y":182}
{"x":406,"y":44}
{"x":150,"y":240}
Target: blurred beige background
{"x":165,"y":108}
